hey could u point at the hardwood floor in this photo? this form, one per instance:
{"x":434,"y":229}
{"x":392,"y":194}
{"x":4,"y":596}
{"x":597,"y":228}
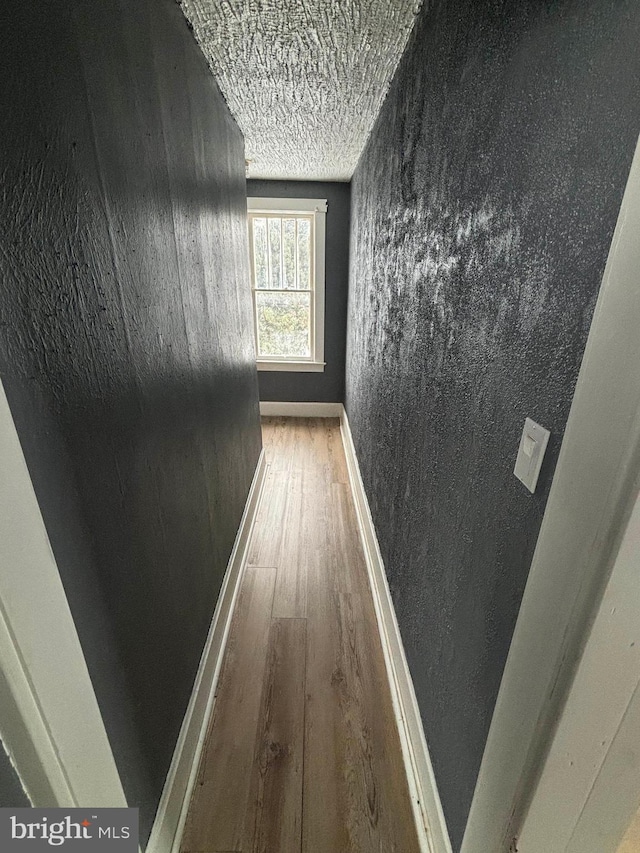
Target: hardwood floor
{"x":302,"y":751}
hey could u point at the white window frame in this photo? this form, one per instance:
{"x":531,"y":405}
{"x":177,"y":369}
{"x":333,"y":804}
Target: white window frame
{"x":296,"y":206}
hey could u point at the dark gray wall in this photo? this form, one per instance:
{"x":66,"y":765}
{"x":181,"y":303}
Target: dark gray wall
{"x":482,"y":212}
{"x":125,"y":342}
{"x":12,"y":793}
{"x":327,"y":387}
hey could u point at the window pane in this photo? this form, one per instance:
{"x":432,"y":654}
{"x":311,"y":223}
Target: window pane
{"x":274,"y":252}
{"x":304,"y":254}
{"x":283,"y":321}
{"x":260,"y":252}
{"x":289,"y":252}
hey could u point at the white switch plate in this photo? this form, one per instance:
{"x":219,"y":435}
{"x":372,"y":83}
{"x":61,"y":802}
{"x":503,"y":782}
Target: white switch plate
{"x":533,"y":444}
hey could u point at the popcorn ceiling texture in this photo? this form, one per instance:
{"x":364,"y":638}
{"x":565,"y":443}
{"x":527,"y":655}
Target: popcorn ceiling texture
{"x":305,"y":79}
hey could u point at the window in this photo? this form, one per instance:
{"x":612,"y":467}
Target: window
{"x":286,"y":245}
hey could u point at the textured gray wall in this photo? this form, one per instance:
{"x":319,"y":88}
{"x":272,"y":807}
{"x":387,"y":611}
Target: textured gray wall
{"x":12,"y":793}
{"x":327,"y":387}
{"x":482,"y":211}
{"x":126,"y":342}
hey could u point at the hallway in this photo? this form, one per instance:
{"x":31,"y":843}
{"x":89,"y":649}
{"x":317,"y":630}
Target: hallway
{"x":302,"y":751}
{"x":406,"y":215}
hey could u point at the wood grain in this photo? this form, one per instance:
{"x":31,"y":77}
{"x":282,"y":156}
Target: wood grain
{"x":219,"y":803}
{"x":302,"y":751}
{"x":264,"y":549}
{"x":290,"y":598}
{"x":276,"y":797}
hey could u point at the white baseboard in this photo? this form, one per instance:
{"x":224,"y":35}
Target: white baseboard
{"x":430,"y":821}
{"x":172,"y":809}
{"x":301,"y":410}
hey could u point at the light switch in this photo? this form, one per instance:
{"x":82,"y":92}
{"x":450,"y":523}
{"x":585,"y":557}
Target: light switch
{"x":533,"y":444}
{"x":528,"y":445}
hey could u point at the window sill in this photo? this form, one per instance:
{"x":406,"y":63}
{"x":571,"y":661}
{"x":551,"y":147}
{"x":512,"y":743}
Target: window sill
{"x":292,"y":366}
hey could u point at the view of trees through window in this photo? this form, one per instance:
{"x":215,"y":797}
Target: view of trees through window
{"x":282,"y":282}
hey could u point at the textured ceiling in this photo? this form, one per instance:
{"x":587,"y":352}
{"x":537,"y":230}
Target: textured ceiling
{"x":305,"y":79}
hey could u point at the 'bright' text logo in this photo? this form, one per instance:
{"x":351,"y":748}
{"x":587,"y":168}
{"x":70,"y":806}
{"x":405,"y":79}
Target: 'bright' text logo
{"x":54,"y":833}
{"x":69,"y":830}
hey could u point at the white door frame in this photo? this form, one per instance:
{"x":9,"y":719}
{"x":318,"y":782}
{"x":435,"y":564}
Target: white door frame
{"x":589,"y":788}
{"x":591,"y":496}
{"x":50,"y":723}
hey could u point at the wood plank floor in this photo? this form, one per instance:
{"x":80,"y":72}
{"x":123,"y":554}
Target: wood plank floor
{"x":302,"y":751}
